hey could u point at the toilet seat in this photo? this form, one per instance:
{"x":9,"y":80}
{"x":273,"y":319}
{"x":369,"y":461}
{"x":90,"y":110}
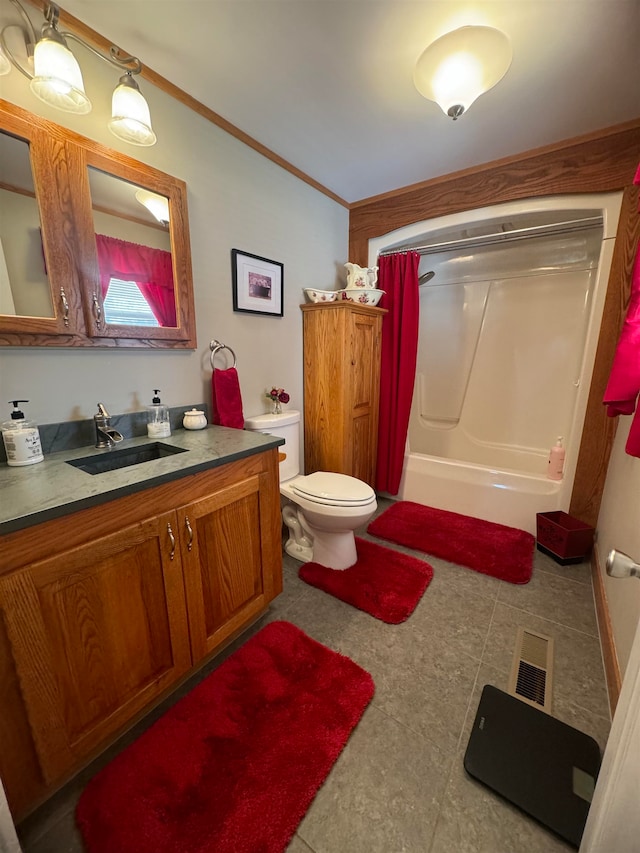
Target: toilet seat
{"x":329,"y":489}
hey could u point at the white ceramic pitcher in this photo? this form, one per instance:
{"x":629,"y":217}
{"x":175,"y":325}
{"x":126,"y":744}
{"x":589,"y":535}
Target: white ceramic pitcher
{"x":361,"y":276}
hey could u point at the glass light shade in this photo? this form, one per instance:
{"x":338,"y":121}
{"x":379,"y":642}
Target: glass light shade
{"x":130,"y":117}
{"x":158,"y":205}
{"x":57,"y":77}
{"x":461,"y":65}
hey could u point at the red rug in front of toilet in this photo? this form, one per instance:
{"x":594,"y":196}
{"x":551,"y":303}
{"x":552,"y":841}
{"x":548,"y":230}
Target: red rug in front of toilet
{"x":384,"y":583}
{"x":484,"y":546}
{"x":235,"y":764}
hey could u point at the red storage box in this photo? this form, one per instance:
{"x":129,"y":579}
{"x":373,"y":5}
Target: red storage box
{"x":563,"y":537}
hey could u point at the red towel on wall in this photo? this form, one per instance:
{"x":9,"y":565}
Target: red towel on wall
{"x":226,"y":399}
{"x":624,"y":382}
{"x":623,"y":388}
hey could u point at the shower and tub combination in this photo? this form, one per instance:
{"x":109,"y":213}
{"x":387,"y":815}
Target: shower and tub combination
{"x":511,"y":300}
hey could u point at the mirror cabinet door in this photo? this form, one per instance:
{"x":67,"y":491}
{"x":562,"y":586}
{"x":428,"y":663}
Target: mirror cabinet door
{"x":38,"y":280}
{"x":132,"y":252}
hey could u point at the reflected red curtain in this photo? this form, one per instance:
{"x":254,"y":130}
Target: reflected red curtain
{"x":398,"y":276}
{"x":151,"y":269}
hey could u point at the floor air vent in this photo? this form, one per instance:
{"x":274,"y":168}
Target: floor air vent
{"x":532,"y":669}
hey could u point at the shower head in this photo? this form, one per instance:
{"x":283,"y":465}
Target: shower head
{"x":425,"y":277}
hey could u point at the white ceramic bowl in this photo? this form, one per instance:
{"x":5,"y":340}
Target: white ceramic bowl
{"x":362,"y":295}
{"x":321,"y":295}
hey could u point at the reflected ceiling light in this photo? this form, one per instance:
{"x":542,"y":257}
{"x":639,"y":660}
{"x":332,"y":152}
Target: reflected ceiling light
{"x":460,"y":66}
{"x":158,"y":205}
{"x":57,"y":78}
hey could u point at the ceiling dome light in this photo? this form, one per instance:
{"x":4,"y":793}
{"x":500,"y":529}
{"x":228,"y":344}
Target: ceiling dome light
{"x":460,"y":66}
{"x":156,"y":204}
{"x":130,"y":116}
{"x":57,"y":77}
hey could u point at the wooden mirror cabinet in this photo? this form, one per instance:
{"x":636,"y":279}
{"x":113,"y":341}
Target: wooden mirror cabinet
{"x":83,"y":261}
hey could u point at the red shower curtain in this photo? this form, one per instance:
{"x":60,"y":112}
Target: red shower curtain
{"x":398,"y":276}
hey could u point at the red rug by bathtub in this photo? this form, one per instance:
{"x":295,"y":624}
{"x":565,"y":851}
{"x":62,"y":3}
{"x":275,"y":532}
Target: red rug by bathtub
{"x":235,"y":764}
{"x":384,"y":583}
{"x":493,"y":549}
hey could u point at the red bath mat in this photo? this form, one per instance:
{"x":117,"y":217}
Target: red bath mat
{"x":382,"y":582}
{"x":235,"y":764}
{"x":493,"y":549}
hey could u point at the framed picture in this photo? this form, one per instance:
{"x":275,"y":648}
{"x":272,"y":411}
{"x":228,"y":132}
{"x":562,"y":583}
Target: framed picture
{"x":257,"y":284}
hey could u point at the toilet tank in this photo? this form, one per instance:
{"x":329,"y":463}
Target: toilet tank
{"x":287,"y":426}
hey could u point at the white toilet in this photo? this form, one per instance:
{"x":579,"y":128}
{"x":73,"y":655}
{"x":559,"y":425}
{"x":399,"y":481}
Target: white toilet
{"x":321,"y":509}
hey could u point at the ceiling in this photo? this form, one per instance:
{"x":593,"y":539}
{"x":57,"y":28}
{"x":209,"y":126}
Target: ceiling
{"x":327,"y":84}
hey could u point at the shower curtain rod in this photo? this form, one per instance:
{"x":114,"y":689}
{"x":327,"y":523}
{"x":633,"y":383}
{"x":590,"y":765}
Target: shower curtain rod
{"x":499,"y":237}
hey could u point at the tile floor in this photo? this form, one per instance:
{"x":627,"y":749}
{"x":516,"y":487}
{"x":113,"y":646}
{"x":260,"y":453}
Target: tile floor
{"x":399,"y":785}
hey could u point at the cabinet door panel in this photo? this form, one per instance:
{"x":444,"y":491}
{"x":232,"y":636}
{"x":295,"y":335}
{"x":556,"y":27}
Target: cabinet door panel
{"x":362,"y":460}
{"x":106,"y":634}
{"x":362,"y":347}
{"x":224,"y":570}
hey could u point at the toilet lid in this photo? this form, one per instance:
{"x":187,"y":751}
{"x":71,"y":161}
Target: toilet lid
{"x":325,"y":487}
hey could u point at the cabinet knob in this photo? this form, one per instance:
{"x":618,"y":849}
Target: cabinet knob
{"x":172,"y":539}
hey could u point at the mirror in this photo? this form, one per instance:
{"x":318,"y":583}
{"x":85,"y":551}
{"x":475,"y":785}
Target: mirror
{"x":134,"y":252}
{"x":95,"y":245}
{"x":24,"y":285}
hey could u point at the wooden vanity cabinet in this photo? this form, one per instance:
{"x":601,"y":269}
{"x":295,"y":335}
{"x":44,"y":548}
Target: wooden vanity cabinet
{"x":341,"y":388}
{"x":105,"y":610}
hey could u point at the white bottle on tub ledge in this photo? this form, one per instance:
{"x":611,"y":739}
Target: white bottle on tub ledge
{"x":555,"y":464}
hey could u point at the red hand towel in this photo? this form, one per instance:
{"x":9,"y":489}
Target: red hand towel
{"x":226,"y":399}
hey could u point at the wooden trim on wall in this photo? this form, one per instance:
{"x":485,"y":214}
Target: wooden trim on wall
{"x":605,"y":162}
{"x":94,"y":38}
{"x":598,"y":163}
{"x":609,"y":655}
{"x":599,"y":429}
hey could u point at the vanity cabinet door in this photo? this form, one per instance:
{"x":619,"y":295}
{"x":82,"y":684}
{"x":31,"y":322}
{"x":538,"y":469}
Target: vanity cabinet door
{"x":231,"y":551}
{"x":96,"y":632}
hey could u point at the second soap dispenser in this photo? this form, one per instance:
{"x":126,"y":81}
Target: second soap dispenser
{"x":158,"y":425}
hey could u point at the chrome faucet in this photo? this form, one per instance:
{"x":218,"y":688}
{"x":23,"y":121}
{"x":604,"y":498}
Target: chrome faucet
{"x":106,"y":435}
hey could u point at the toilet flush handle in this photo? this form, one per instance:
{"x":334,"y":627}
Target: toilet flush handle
{"x":619,"y":565}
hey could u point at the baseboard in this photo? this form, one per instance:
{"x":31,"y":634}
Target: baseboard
{"x":609,"y":655}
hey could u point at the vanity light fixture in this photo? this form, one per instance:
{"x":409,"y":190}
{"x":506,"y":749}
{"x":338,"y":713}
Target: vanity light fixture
{"x":156,"y":204}
{"x":57,"y":78}
{"x":460,"y":66}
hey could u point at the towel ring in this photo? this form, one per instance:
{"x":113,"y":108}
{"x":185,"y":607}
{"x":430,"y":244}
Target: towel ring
{"x":215,"y":347}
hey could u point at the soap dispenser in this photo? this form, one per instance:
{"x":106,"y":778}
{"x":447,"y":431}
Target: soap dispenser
{"x":158,"y":425}
{"x":556,"y":461}
{"x":21,"y":438}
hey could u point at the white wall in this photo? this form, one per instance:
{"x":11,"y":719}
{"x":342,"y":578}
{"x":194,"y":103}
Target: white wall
{"x":237,"y":199}
{"x":619,"y":527}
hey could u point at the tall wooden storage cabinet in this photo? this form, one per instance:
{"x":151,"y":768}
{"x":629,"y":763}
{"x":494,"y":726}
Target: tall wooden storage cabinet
{"x":341,"y":388}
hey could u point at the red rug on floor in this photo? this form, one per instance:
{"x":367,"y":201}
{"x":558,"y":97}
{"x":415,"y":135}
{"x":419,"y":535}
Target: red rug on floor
{"x":235,"y":764}
{"x":493,"y":549}
{"x":383,"y":583}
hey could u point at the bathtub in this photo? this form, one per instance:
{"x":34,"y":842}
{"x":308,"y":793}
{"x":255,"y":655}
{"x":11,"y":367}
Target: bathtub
{"x":506,"y":350}
{"x":506,"y":497}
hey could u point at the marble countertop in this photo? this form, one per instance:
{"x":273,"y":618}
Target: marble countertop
{"x":31,"y":494}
